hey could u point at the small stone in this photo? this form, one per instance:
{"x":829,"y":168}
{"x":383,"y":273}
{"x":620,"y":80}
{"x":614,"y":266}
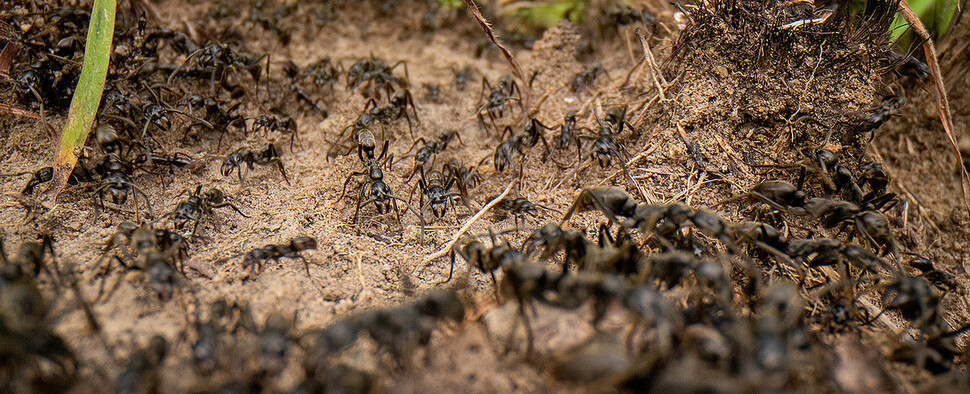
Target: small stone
{"x":721,"y":71}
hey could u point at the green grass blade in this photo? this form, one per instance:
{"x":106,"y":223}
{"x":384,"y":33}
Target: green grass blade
{"x":87,"y":95}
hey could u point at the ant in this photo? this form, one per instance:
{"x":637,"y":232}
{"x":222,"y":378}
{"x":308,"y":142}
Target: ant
{"x":366,"y":142}
{"x":157,"y":252}
{"x":432,"y":92}
{"x":118,"y":184}
{"x":462,"y":77}
{"x":605,"y":148}
{"x":282,"y":124}
{"x":376,"y":76}
{"x":498,"y":97}
{"x":587,"y":77}
{"x":143,"y":371}
{"x":268,"y":155}
{"x":518,"y":207}
{"x":37,"y":178}
{"x":199,"y":205}
{"x":468,"y":176}
{"x":528,"y":138}
{"x":143,"y":239}
{"x":176,"y":159}
{"x":323,"y":73}
{"x":531,"y":134}
{"x":567,"y":135}
{"x":430,"y":149}
{"x":217,"y":117}
{"x":292,"y":72}
{"x":868,"y":121}
{"x":255,"y":258}
{"x":396,"y":108}
{"x":219,"y":57}
{"x":374,"y":187}
{"x":552,"y":238}
{"x":437,"y":188}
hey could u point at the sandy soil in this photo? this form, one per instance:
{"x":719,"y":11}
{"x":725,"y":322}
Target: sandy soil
{"x":379,"y":262}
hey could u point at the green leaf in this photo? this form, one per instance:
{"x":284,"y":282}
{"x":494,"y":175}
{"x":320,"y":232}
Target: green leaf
{"x":946,"y":9}
{"x":87,"y":95}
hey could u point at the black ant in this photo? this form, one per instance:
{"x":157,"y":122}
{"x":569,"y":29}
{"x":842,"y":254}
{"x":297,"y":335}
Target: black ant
{"x":518,"y":207}
{"x":432,"y":92}
{"x":493,"y":103}
{"x":568,"y":135}
{"x":587,"y":77}
{"x":118,"y":184}
{"x":462,"y":77}
{"x":374,"y":187}
{"x":868,"y":121}
{"x":552,"y":239}
{"x":199,"y":205}
{"x":376,"y":76}
{"x":365,"y":140}
{"x":268,"y":155}
{"x":605,"y":148}
{"x":396,"y":108}
{"x":282,"y":124}
{"x":157,"y":252}
{"x":255,"y":258}
{"x":531,"y":134}
{"x":437,"y":188}
{"x":430,"y":149}
{"x":218,"y":57}
{"x":292,"y":72}
{"x":37,"y":178}
{"x":468,"y":175}
{"x":217,"y":117}
{"x":323,"y":73}
{"x":171,"y":160}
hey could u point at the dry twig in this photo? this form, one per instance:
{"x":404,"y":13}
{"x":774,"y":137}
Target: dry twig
{"x":454,"y":239}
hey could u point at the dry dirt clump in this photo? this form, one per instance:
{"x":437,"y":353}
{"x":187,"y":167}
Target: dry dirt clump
{"x":756,"y":83}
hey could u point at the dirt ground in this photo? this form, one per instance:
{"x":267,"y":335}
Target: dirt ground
{"x":697,"y":140}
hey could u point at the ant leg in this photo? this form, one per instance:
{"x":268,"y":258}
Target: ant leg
{"x":230,"y":205}
{"x":410,"y":101}
{"x":360,"y":197}
{"x":451,"y":268}
{"x":349,"y":177}
{"x":415,"y":143}
{"x":279,"y":165}
{"x":306,"y":265}
{"x":408,"y":118}
{"x":147,"y":201}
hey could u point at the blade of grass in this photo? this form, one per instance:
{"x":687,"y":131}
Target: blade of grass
{"x":87,"y":96}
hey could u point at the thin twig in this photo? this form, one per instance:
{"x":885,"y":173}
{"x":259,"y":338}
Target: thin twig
{"x":17,"y":111}
{"x":454,"y":239}
{"x":658,"y":79}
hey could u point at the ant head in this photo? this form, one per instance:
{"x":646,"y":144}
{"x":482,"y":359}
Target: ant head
{"x":214,"y":196}
{"x":230,"y":164}
{"x":615,"y":115}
